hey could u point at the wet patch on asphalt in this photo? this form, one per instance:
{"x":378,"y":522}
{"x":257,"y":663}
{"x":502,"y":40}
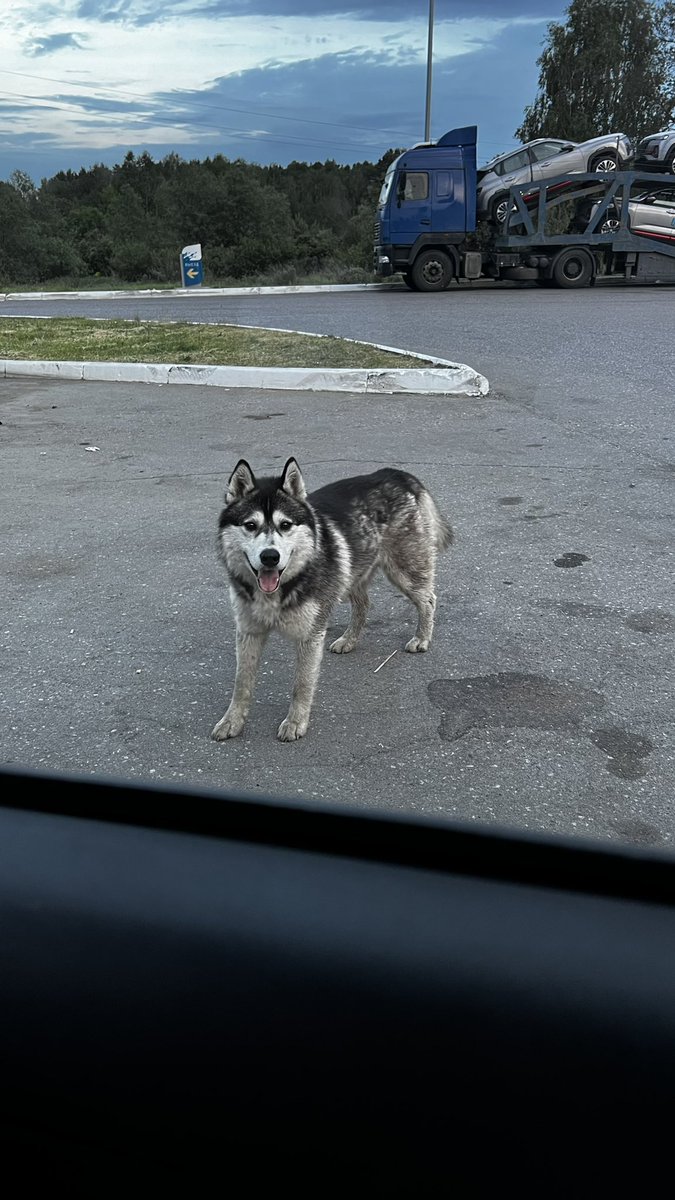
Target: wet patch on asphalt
{"x":574,"y":608}
{"x":625,"y":751}
{"x":511,"y":700}
{"x":571,"y":559}
{"x":651,"y":621}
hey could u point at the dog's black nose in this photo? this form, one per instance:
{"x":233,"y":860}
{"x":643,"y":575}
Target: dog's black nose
{"x":269,"y":558}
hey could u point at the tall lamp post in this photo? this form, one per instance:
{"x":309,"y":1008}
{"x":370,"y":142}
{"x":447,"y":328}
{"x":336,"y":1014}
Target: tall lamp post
{"x":430,"y":50}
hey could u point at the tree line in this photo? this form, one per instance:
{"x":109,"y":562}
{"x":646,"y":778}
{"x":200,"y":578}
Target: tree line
{"x":131,"y":220}
{"x":609,"y":67}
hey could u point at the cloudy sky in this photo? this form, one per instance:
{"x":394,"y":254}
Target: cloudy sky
{"x":84,"y":81}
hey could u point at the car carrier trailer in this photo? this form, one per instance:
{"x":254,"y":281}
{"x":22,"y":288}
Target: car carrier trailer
{"x":566,"y":231}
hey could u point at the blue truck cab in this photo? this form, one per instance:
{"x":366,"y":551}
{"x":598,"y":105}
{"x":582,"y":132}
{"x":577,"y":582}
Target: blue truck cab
{"x":426,"y":209}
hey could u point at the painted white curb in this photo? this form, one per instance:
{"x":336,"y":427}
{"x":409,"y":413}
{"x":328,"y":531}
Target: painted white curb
{"x":455,"y":380}
{"x":157,"y":293}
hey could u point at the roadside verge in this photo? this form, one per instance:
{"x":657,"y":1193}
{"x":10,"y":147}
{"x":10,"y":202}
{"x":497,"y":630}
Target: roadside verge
{"x":369,"y":366}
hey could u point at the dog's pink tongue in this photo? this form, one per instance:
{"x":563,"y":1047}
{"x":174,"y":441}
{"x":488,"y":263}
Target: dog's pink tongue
{"x":269,"y":580}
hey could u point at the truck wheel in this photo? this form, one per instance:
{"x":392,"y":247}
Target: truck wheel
{"x":431,"y":271}
{"x":609,"y":161}
{"x":573,"y":268}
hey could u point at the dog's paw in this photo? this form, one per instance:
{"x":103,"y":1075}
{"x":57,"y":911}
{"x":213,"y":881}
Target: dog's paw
{"x":341,"y":645}
{"x":417,"y":645}
{"x":291,"y":729}
{"x":229,"y":726}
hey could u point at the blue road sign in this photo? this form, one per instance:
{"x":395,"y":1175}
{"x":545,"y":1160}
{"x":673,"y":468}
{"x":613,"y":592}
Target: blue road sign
{"x":191,"y":269}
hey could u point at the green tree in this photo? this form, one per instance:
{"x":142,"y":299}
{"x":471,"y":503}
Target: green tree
{"x":134,"y":261}
{"x":19,"y":238}
{"x":608,"y":69}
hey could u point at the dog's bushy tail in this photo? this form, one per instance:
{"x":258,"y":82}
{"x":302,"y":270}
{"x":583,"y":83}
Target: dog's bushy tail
{"x":444,"y":535}
{"x":440,"y":527}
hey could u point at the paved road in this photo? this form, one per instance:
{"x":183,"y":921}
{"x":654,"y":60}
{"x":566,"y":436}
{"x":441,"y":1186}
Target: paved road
{"x":546,"y":701}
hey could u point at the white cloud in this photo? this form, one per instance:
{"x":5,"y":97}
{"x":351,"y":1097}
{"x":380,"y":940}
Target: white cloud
{"x":120,"y":61}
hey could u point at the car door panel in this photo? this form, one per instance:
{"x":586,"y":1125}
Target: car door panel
{"x":655,"y":218}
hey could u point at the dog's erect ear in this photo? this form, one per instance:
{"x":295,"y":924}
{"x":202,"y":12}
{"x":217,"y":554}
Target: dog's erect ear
{"x":292,"y":481}
{"x":241,"y":482}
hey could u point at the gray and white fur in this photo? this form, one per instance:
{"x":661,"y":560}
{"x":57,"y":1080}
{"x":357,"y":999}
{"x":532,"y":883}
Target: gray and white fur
{"x":291,"y":558}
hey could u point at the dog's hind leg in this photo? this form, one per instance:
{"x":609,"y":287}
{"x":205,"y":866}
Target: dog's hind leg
{"x":425,"y":603}
{"x":308,"y":665}
{"x":417,"y":584}
{"x":360,"y":603}
{"x":249,"y":649}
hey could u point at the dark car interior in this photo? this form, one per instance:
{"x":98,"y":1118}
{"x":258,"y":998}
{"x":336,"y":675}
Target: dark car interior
{"x":220,"y":994}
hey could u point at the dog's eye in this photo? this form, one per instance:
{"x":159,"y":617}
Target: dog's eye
{"x":284,"y":526}
{"x":251,"y":526}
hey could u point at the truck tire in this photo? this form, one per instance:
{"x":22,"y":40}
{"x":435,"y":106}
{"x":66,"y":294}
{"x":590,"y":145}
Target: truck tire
{"x":408,"y":281}
{"x":572,"y":268}
{"x":431,"y":271}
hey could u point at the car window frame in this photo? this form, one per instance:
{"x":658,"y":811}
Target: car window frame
{"x":559,"y":146}
{"x":528,"y":159}
{"x":658,"y":200}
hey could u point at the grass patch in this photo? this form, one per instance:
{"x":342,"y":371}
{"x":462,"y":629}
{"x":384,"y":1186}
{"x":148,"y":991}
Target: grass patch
{"x":75,"y":339}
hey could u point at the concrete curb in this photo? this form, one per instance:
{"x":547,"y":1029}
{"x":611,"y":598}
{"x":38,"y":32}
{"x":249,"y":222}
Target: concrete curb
{"x":157,"y":293}
{"x":456,"y":379}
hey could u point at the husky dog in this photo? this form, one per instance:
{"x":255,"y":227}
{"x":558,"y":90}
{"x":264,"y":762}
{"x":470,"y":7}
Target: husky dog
{"x":291,"y":558}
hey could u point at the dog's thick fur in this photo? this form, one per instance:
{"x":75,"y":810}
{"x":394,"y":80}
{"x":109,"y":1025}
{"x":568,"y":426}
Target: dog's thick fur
{"x":291,"y":558}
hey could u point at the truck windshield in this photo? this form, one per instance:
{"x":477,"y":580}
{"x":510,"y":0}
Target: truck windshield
{"x":386,"y":186}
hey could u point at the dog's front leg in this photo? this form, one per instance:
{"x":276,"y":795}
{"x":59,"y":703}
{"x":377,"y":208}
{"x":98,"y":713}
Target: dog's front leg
{"x":249,"y":649}
{"x":307,"y":669}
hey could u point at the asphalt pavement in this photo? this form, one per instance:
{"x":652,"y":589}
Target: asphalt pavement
{"x":546,"y":700}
